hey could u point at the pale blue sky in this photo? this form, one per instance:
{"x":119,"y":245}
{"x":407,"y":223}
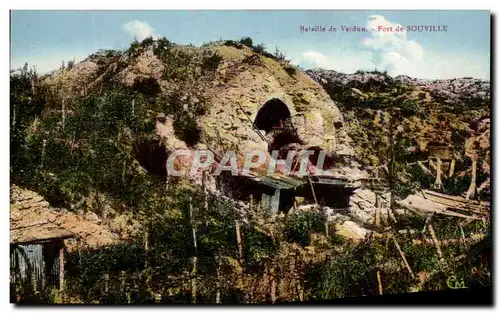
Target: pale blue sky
{"x":45,"y":38}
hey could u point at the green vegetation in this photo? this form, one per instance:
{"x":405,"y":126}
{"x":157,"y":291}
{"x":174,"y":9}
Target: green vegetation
{"x":350,"y":273}
{"x":247,"y":41}
{"x":257,"y":49}
{"x":299,"y":226}
{"x":378,"y":110}
{"x":94,"y":144}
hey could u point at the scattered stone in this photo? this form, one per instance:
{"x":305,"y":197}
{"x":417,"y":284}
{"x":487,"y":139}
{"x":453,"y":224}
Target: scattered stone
{"x":353,"y":231}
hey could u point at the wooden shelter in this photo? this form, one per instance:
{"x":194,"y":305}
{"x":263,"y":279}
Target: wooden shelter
{"x":37,"y":255}
{"x":40,"y":236}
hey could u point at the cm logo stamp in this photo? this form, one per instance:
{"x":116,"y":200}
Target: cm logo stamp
{"x":454,"y":283}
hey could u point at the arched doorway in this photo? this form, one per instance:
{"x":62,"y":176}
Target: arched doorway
{"x":272,"y":114}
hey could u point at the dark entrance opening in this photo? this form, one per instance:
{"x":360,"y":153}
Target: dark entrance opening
{"x":272,"y":113}
{"x":153,"y":156}
{"x":287,"y":140}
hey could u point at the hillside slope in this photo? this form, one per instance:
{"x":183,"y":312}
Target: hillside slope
{"x":211,"y":96}
{"x":425,"y":114}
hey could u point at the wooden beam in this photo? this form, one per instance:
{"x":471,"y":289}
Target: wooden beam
{"x":403,"y":257}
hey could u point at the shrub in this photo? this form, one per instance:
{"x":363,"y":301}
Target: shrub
{"x":133,"y":49}
{"x":247,"y":41}
{"x":410,"y":107}
{"x":147,"y":41}
{"x":258,"y":247}
{"x":232,"y":43}
{"x":301,"y":225}
{"x":162,"y":48}
{"x":259,"y":49}
{"x":187,"y":129}
{"x":252,"y":59}
{"x":278,"y":55}
{"x":104,"y":55}
{"x":211,"y":63}
{"x":348,"y":274}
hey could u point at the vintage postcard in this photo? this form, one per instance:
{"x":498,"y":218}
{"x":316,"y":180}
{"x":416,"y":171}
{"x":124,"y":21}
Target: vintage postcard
{"x":243,"y":157}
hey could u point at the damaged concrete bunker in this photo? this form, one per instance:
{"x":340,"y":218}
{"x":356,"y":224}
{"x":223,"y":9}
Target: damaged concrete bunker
{"x":279,"y":192}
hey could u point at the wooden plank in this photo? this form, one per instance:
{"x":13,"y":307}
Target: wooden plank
{"x":454,"y":203}
{"x":421,"y":212}
{"x":456,"y":198}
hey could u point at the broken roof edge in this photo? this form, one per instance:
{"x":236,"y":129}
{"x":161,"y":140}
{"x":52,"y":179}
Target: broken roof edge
{"x":40,"y":234}
{"x":279,"y":182}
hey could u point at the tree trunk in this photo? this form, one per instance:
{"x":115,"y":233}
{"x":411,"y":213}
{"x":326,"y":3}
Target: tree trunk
{"x":452,"y":168}
{"x":205,"y":194}
{"x":195,"y":258}
{"x":435,"y":239}
{"x":472,"y":188}
{"x":13,"y":117}
{"x":44,"y":143}
{"x":485,"y":184}
{"x":63,"y":112}
{"x":273,"y":286}
{"x":403,"y":257}
{"x":377,"y":210}
{"x":238,"y":241}
{"x":217,"y":294}
{"x":438,"y":184}
{"x":425,"y":169}
{"x":106,"y":285}
{"x":464,"y":241}
{"x":312,"y":189}
{"x":379,"y":280}
{"x":61,"y":268}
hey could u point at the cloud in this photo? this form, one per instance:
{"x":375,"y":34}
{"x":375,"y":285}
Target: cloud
{"x":318,"y":59}
{"x":391,"y":50}
{"x":432,"y":66}
{"x":395,"y":53}
{"x":341,"y":61}
{"x":139,"y":29}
